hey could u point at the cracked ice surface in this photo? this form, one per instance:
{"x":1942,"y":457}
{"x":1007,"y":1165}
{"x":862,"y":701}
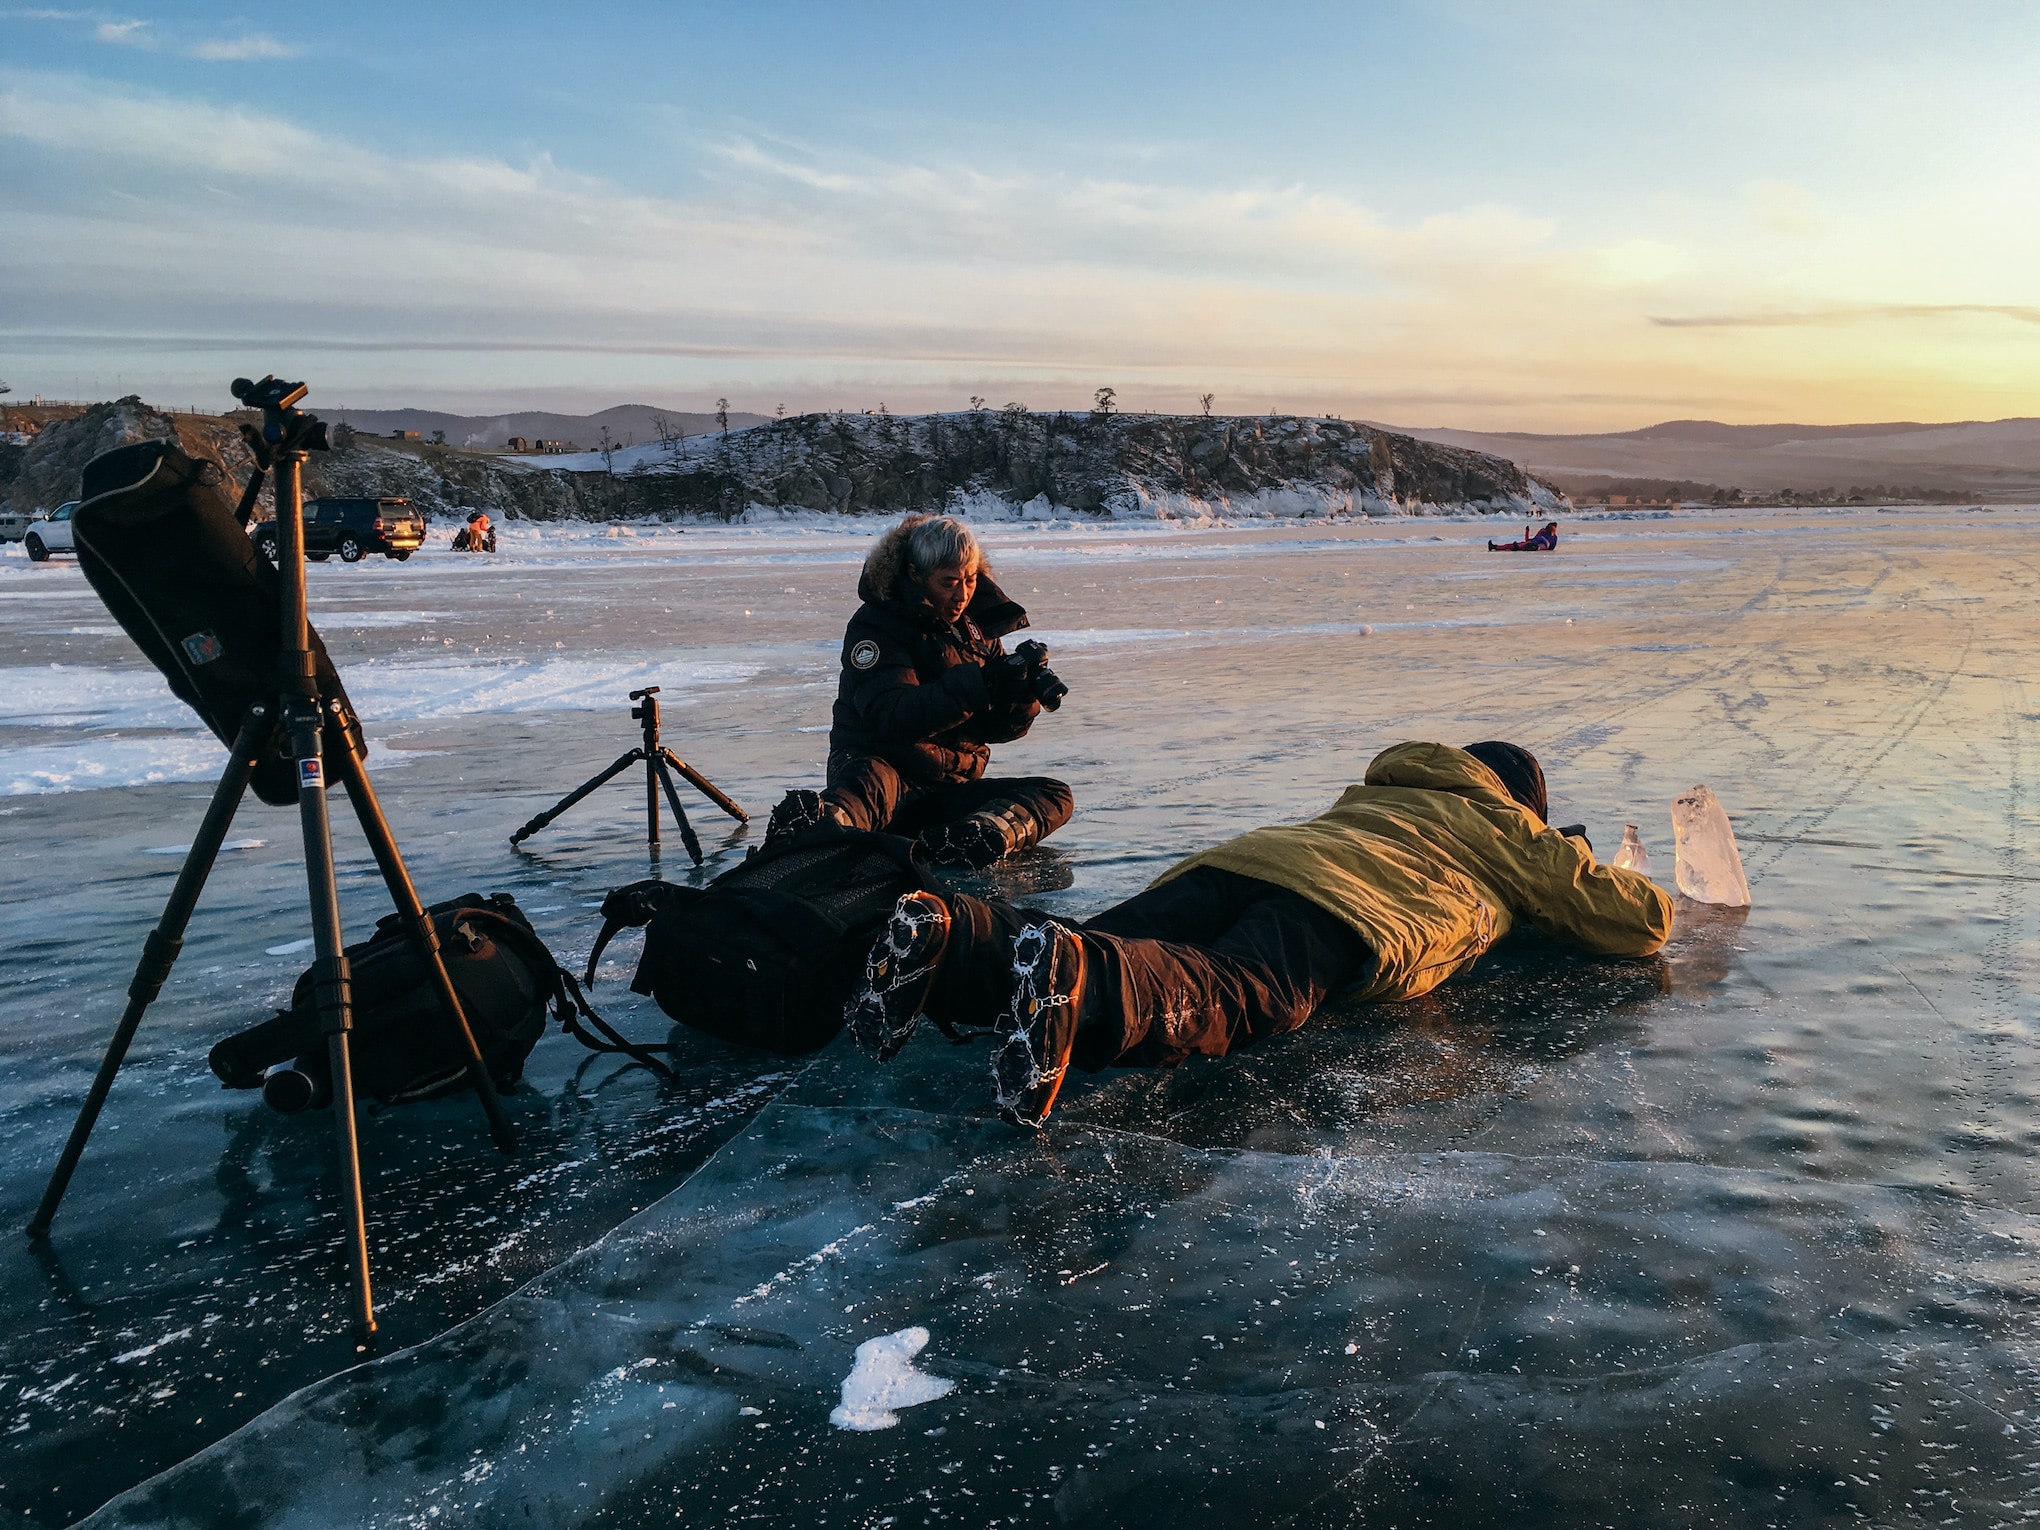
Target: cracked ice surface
{"x":1744,"y":1235}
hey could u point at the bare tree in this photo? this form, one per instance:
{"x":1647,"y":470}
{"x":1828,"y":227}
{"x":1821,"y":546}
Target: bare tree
{"x":1205,"y":399}
{"x":722,"y":416}
{"x":608,"y":450}
{"x":439,"y":438}
{"x":780,"y":412}
{"x":1107,"y":401}
{"x":976,"y":404}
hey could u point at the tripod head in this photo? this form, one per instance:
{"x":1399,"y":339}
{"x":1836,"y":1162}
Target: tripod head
{"x":285,"y":427}
{"x":647,"y":712}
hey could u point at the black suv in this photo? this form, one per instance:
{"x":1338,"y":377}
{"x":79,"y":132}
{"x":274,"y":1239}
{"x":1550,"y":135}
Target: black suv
{"x":352,"y":528}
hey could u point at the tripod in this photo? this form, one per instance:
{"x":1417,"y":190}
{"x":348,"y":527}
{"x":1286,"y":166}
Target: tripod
{"x":660,"y":762}
{"x":308,"y":721}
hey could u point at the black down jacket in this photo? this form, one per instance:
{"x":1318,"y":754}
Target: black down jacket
{"x":913,"y":689}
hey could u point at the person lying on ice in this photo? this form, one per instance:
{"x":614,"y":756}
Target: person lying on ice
{"x":1404,"y":882}
{"x":926,"y":689}
{"x":1544,"y":541}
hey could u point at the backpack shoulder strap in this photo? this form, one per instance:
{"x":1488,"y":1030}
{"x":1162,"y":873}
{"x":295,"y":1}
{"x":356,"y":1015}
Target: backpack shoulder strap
{"x":569,"y":1005}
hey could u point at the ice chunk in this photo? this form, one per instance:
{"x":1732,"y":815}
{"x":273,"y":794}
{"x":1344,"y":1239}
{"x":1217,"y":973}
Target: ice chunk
{"x":1706,"y":864}
{"x":883,"y":1378}
{"x":1632,"y":856}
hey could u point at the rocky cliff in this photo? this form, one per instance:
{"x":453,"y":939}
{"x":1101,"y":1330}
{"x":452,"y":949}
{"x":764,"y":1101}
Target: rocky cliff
{"x":46,"y":472}
{"x":988,"y":462}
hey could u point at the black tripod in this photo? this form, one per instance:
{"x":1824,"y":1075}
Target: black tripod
{"x":303,"y":714}
{"x":660,"y":762}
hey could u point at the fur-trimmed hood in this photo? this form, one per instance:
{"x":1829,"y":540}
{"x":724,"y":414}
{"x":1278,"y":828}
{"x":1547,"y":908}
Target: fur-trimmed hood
{"x":995,"y":613}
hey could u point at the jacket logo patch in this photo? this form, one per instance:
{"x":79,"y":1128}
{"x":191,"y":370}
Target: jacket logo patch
{"x":864,"y":655}
{"x":203,"y":647}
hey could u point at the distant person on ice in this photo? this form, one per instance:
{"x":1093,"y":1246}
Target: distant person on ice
{"x":1545,"y":541}
{"x":1404,"y":882}
{"x":927,"y":688}
{"x":477,"y":535}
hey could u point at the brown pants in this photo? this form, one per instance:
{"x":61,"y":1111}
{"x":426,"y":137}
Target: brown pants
{"x":1202,"y":964}
{"x":873,"y":794}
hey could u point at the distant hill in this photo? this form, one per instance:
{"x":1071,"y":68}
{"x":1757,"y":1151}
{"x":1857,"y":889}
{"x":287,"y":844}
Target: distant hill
{"x":635,"y":423}
{"x":1007,"y":462}
{"x":1995,"y":459}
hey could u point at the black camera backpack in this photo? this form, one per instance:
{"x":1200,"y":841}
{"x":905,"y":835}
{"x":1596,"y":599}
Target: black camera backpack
{"x":158,"y":540}
{"x":765,"y":955}
{"x":403,"y":1046}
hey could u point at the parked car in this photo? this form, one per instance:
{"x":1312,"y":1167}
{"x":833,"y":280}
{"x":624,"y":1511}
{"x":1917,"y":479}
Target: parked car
{"x":353,"y":528}
{"x":51,"y":533}
{"x":14,"y":525}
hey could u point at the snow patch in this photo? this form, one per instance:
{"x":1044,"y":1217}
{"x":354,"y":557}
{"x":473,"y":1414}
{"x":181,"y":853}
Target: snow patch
{"x":883,"y":1379}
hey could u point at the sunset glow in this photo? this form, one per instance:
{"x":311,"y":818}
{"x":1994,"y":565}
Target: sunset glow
{"x":1562,"y":218}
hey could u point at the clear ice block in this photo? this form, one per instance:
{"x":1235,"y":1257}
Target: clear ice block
{"x":1706,"y":864}
{"x":1632,"y":856}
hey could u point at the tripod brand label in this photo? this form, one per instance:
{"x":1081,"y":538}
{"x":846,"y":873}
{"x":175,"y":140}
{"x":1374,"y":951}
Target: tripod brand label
{"x":203,"y":647}
{"x":309,"y":775}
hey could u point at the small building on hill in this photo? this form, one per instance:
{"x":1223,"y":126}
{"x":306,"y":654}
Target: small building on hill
{"x":552,"y":448}
{"x":517,"y":444}
{"x":406,"y":435}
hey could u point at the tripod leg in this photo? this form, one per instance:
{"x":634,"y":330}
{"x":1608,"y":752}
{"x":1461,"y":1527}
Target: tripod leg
{"x":651,"y":799}
{"x":706,"y":787}
{"x":673,"y":796}
{"x":391,"y":862}
{"x":575,"y":796}
{"x":159,"y":951}
{"x":332,"y":987}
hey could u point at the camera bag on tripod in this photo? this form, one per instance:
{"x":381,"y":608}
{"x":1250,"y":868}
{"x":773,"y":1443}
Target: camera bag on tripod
{"x":765,"y":955}
{"x":159,"y":542}
{"x":403,"y":1048}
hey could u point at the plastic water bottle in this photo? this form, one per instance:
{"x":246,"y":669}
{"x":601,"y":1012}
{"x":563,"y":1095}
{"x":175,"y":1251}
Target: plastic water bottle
{"x":1632,"y":856}
{"x":1707,"y":866}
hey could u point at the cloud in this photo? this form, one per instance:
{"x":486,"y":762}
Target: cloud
{"x":153,"y":234}
{"x":256,"y":45}
{"x":1872,"y":313}
{"x":127,"y":34}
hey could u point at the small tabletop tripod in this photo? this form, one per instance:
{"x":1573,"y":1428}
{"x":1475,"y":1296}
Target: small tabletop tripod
{"x":659,"y":764}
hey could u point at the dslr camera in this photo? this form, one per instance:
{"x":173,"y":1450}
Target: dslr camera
{"x":1027,"y":676}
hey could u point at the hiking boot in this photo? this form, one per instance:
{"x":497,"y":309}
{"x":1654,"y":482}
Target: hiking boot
{"x":798,"y":810}
{"x":1040,"y":1027}
{"x":982,"y":839}
{"x":899,"y":971}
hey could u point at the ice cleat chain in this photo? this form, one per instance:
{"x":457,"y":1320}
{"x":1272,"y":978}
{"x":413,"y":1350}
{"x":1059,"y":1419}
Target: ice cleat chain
{"x":1028,"y":1068}
{"x":797,"y":810}
{"x":899,"y":971}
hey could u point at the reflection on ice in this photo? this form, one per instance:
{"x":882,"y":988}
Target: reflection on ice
{"x":1744,"y":1235}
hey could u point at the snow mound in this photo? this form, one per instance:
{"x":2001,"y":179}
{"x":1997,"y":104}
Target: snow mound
{"x":883,"y":1379}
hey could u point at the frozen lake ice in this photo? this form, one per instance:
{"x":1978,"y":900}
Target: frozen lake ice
{"x":1744,"y":1235}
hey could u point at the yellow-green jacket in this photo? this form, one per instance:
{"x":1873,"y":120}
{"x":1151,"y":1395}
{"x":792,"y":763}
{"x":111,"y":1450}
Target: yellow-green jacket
{"x":1432,"y":862}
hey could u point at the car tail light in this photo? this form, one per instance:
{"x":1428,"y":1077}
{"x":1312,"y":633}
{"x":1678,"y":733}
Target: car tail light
{"x":378,"y":526}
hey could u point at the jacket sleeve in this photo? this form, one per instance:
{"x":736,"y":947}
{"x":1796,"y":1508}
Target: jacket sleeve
{"x":1566,"y":893}
{"x":892,"y":701}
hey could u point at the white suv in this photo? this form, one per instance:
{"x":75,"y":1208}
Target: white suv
{"x":50,"y":534}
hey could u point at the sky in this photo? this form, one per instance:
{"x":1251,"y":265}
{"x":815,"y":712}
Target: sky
{"x":1554,"y":217}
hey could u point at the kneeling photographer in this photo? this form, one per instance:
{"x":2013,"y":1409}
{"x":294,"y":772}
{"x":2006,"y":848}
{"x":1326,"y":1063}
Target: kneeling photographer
{"x":927,"y":688}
